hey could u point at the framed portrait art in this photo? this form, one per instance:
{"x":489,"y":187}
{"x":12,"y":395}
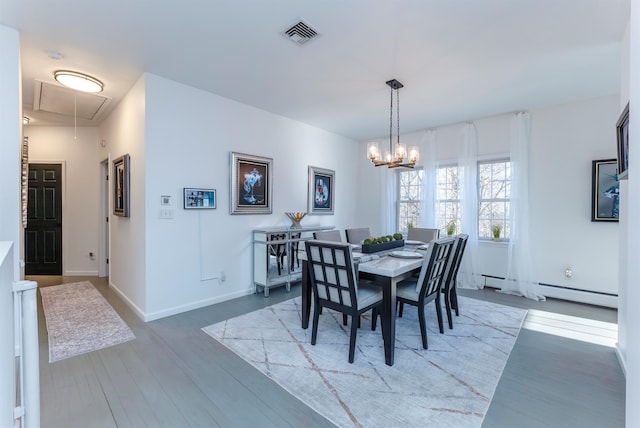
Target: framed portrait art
{"x":121,"y":195}
{"x":605,"y":203}
{"x":321,"y":190}
{"x":251,"y":184}
{"x":195,"y":199}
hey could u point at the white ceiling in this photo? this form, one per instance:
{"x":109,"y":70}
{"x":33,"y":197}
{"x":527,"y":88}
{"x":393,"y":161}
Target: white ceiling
{"x":458,"y":59}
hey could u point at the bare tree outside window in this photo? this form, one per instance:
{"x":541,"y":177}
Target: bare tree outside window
{"x":494,"y":194}
{"x":409,"y":193}
{"x":449,"y":195}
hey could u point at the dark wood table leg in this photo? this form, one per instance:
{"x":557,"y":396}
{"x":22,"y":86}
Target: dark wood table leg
{"x":388,"y":320}
{"x":306,"y":295}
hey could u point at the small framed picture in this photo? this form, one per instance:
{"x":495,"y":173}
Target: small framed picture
{"x":121,"y":195}
{"x":605,"y":203}
{"x":321,"y":189}
{"x":197,"y":199}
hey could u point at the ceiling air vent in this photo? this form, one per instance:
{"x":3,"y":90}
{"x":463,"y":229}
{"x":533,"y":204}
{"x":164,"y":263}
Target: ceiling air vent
{"x":301,"y":33}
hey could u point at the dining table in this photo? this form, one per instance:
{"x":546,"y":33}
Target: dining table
{"x":386,"y":270}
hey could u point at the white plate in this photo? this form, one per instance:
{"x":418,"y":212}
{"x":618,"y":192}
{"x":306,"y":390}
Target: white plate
{"x":409,"y":242}
{"x":406,"y":254}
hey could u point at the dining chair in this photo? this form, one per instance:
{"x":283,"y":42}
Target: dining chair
{"x":356,"y":236}
{"x":422,"y":234}
{"x":335,"y":286}
{"x":427,"y":288}
{"x":328,"y":235}
{"x":450,"y":282}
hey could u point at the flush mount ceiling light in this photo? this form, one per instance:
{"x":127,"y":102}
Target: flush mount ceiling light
{"x":398,"y":157}
{"x":78,"y":81}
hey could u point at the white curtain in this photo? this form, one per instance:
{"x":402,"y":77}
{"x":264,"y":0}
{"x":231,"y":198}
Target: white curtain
{"x":388,"y":201}
{"x":428,"y":205}
{"x":468,"y":161}
{"x":520,"y":278}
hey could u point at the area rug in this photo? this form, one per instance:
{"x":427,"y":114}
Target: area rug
{"x":80,"y":320}
{"x":449,"y":385}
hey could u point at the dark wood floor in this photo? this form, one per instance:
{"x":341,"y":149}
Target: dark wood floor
{"x":174,"y":375}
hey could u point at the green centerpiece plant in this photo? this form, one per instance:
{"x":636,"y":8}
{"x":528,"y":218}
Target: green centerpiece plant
{"x":496,"y":229}
{"x":451,"y":228}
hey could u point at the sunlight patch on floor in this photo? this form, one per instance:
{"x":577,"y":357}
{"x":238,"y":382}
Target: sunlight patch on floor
{"x":583,"y":329}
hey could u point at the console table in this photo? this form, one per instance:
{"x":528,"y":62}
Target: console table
{"x":275,"y":260}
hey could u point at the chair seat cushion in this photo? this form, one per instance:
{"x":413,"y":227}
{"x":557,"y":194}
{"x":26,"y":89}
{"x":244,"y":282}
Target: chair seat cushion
{"x":368,"y":294}
{"x":407,"y":290}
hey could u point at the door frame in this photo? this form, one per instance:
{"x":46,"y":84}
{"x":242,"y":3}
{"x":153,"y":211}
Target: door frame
{"x":105,"y":247}
{"x":63,"y":177}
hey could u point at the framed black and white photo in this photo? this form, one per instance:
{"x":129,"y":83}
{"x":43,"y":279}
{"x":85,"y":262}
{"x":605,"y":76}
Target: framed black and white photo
{"x":195,"y":198}
{"x":605,"y":203}
{"x":321,"y":190}
{"x":622,"y":131}
{"x":251,"y":184}
{"x":121,"y":195}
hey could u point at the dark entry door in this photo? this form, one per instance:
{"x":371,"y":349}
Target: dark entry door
{"x":43,"y":235}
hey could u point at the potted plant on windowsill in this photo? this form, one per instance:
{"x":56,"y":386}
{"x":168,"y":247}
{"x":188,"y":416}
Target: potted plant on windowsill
{"x":496,"y":229}
{"x":451,"y":228}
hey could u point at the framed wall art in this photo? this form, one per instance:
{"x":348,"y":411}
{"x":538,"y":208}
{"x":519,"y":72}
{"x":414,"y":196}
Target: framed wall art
{"x":605,"y":202}
{"x":195,"y":198}
{"x":121,"y":195}
{"x":251,"y":184}
{"x":622,"y":131}
{"x":321,"y":190}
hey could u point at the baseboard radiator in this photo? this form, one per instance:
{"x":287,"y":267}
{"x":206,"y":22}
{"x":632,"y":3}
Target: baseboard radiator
{"x":25,"y":314}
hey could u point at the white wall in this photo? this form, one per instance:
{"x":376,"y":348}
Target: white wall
{"x":189,"y":136}
{"x":79,"y":154}
{"x":633,"y":246}
{"x":10,"y":228}
{"x":565,"y":139}
{"x":124,"y":132}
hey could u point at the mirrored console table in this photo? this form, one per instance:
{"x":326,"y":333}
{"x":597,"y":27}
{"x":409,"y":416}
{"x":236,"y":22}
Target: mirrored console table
{"x":275,"y":255}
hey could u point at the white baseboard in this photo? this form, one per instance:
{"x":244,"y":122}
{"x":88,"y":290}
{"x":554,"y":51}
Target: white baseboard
{"x":195,"y":305}
{"x":139,"y":312}
{"x":622,"y":360}
{"x":81,"y":273}
{"x":152,"y":316}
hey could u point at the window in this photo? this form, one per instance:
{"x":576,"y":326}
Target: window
{"x":449,"y":179}
{"x":409,"y":194}
{"x":494,"y":194}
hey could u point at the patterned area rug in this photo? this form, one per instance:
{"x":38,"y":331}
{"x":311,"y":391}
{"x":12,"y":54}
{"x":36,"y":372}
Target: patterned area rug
{"x":80,"y":320}
{"x":449,"y":385}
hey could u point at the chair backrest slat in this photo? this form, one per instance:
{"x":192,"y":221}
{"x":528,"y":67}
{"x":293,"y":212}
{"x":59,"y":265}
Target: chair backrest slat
{"x":357,"y":235}
{"x":423,"y":234}
{"x":332,"y":273}
{"x":328,"y":235}
{"x":455,"y":261}
{"x":434,"y":267}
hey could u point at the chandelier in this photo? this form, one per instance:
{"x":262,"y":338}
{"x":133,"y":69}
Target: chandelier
{"x":398,"y":157}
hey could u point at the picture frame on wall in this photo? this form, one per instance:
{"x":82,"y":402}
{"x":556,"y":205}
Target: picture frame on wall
{"x":197,"y":199}
{"x":622,"y":131}
{"x":321,"y":186}
{"x":121,"y":185}
{"x":251,"y":184}
{"x":605,"y":203}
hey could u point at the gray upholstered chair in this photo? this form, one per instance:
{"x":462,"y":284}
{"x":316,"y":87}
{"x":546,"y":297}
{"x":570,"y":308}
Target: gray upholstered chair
{"x":328,"y":235}
{"x":423,"y":234}
{"x":449,"y":284}
{"x":356,"y":236}
{"x":335,"y":286}
{"x":427,"y":288}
